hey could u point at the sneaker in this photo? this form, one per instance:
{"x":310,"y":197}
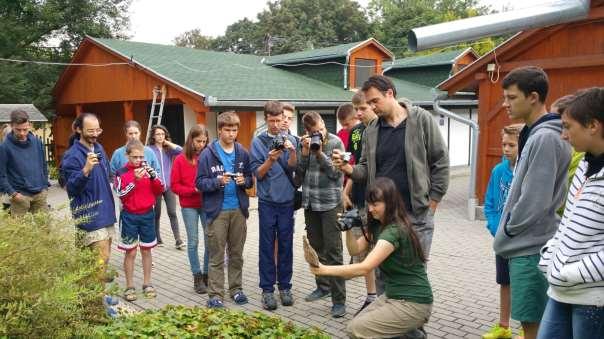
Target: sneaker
{"x":287,"y":299}
{"x":520,"y":334}
{"x":109,"y":300}
{"x":215,"y":302}
{"x":338,"y":310}
{"x":180,"y":245}
{"x":417,"y":333}
{"x":160,"y":243}
{"x":268,"y":301}
{"x":239,"y":298}
{"x":317,"y":294}
{"x":498,"y":332}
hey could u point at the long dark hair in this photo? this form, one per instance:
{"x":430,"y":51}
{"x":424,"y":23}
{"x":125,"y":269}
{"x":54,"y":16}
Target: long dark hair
{"x":151,"y":140}
{"x":384,"y":190}
{"x":195,"y":131}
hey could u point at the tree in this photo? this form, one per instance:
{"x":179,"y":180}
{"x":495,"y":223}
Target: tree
{"x":30,"y":27}
{"x":294,"y":25}
{"x":194,"y":39}
{"x":394,"y":19}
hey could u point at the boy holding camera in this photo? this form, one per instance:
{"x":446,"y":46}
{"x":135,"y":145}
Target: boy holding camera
{"x":321,"y":200}
{"x":273,"y":161}
{"x":223,"y":175}
{"x":137,"y":186}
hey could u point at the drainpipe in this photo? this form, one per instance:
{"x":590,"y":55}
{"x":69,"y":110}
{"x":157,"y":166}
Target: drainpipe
{"x":472,"y":200}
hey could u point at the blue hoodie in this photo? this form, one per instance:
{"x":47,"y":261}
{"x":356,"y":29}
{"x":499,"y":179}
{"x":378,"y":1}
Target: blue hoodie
{"x":23,"y":166}
{"x":209,"y":168}
{"x":90,"y":196}
{"x":274,"y":187}
{"x":497,"y":192}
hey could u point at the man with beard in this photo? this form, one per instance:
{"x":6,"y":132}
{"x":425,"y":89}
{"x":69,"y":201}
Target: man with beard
{"x":86,"y":169}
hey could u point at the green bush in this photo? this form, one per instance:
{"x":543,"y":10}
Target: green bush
{"x":196,"y":322}
{"x":49,"y":287}
{"x":53,"y":171}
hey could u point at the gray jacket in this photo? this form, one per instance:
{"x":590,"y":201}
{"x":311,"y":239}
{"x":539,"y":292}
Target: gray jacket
{"x":529,"y":218}
{"x":427,"y":158}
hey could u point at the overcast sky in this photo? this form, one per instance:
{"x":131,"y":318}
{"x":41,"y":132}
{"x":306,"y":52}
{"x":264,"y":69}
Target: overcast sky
{"x":159,"y":21}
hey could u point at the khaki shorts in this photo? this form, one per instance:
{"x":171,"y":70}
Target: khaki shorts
{"x":105,"y":233}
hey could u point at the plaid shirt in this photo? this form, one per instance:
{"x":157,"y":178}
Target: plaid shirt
{"x":321,"y":181}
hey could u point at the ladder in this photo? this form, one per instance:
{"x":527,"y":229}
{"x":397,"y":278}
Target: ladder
{"x":155,"y":117}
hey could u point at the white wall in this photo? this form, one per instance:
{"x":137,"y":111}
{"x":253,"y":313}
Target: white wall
{"x":189,"y":117}
{"x":457,"y":135}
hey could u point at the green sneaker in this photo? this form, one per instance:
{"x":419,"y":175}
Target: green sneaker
{"x":498,"y":332}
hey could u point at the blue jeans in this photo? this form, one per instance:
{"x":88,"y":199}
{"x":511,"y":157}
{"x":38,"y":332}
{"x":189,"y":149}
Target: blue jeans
{"x":191,"y":217}
{"x":568,"y":321}
{"x":276,"y":223}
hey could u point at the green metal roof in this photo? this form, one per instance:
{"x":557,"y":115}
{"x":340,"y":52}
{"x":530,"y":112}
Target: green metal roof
{"x":435,"y":59}
{"x":333,"y":52}
{"x":225,"y":76}
{"x":413,"y":91}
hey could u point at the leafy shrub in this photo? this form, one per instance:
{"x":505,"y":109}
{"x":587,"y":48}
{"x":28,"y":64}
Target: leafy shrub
{"x":53,"y":171}
{"x":196,"y":322}
{"x":49,"y":287}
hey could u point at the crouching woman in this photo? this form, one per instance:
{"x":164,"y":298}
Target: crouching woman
{"x":407,"y":302}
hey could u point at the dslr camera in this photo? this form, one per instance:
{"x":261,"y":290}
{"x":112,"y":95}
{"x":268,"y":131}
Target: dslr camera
{"x":278,"y":143}
{"x":230,"y":175}
{"x":316,"y":139}
{"x":349,"y":219}
{"x":149,"y":169}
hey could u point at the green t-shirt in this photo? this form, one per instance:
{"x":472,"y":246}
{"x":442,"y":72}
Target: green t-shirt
{"x":404,"y":274}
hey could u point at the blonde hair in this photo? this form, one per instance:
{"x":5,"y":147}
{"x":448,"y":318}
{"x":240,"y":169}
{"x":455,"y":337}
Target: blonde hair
{"x":513,"y":129}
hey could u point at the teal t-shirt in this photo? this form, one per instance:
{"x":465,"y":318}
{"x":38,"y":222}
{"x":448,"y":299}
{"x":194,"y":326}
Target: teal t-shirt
{"x":231,"y":200}
{"x":405,"y":275}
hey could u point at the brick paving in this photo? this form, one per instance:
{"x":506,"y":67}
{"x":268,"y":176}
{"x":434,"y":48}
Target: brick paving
{"x":461,"y":270}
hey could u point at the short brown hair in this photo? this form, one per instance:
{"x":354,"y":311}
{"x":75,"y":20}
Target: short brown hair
{"x":528,"y":79}
{"x":132,"y":123}
{"x":273,"y":108}
{"x":513,"y":129}
{"x":359,"y":98}
{"x":229,"y":118}
{"x":562,"y":103}
{"x":587,"y":106}
{"x":345,"y":111}
{"x":18,"y":117}
{"x":311,"y":119}
{"x":134,"y":145}
{"x":288,"y":106}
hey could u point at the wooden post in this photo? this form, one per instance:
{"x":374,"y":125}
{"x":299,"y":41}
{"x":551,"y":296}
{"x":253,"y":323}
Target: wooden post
{"x":127,"y":110}
{"x":201,"y":117}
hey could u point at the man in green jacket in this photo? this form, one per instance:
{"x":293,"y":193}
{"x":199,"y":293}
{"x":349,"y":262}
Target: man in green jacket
{"x":405,"y":145}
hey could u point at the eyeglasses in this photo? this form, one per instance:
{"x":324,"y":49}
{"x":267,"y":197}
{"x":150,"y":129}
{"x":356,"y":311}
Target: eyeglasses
{"x":94,"y":131}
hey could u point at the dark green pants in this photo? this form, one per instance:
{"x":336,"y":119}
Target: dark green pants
{"x":326,"y":239}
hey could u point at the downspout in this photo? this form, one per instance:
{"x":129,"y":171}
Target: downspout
{"x":472,"y":200}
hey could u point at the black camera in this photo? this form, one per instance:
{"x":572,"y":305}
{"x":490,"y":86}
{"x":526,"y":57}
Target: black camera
{"x":150,"y":170}
{"x":349,"y":219}
{"x":230,"y":175}
{"x":278,"y":143}
{"x":316,"y":139}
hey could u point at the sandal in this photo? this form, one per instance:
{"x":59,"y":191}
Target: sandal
{"x":149,"y":291}
{"x":130,"y":294}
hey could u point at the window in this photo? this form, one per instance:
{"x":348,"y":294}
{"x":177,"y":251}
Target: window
{"x":363,"y":70}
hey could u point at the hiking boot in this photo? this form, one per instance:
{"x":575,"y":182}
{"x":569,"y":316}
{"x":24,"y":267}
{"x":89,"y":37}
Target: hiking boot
{"x":198,"y":284}
{"x":239,"y":298}
{"x":498,"y":332}
{"x":215,"y":302}
{"x":417,"y":333}
{"x":338,"y":310}
{"x":180,"y":245}
{"x":317,"y":294}
{"x":268,"y":301}
{"x":287,"y":299}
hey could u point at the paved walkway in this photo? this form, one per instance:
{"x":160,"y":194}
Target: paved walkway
{"x":461,"y":270}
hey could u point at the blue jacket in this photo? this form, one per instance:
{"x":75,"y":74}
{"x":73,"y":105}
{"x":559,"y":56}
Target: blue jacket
{"x":497,"y":192}
{"x":23,"y":166}
{"x":119,"y":160}
{"x":274,"y":187}
{"x":91,"y":199}
{"x":208,"y":170}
